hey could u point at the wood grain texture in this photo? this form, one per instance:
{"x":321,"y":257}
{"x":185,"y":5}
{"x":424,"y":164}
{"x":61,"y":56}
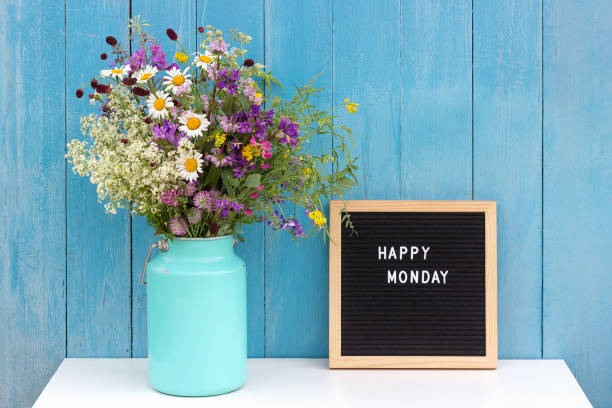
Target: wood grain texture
{"x":298,"y":47}
{"x":32,"y":201}
{"x":436,"y":100}
{"x":248,"y":18}
{"x":337,"y":360}
{"x":507,"y":160}
{"x":366,"y":69}
{"x":98,"y":244}
{"x":181,"y":17}
{"x":577,"y":192}
{"x":408,"y":64}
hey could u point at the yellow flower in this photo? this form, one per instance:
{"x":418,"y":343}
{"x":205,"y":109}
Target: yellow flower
{"x":318,"y":218}
{"x":219,"y":139}
{"x":351,"y":107}
{"x":306,"y":171}
{"x":250,"y":151}
{"x":258,"y":98}
{"x":180,"y":57}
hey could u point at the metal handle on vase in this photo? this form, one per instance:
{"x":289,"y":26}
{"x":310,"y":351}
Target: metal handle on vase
{"x":162,"y":245}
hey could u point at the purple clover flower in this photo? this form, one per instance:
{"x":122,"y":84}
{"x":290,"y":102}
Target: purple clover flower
{"x":170,"y":197}
{"x":178,"y":226}
{"x":206,"y":200}
{"x":190,"y":188}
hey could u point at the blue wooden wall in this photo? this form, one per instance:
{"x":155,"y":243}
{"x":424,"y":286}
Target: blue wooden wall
{"x":505,"y":100}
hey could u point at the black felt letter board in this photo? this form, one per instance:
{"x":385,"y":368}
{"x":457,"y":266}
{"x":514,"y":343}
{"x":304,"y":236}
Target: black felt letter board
{"x":413,"y":314}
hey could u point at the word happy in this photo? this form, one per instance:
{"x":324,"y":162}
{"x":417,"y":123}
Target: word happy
{"x":409,"y":253}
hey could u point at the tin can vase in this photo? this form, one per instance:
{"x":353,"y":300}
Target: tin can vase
{"x":196,"y":316}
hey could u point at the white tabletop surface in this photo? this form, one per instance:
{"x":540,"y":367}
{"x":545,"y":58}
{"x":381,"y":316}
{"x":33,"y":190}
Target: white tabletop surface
{"x":310,"y":383}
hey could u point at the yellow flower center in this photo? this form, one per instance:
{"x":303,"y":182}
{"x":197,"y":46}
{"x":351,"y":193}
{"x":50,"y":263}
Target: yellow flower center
{"x":159,"y":104}
{"x":178,"y":80}
{"x":191,"y":164}
{"x":193,"y":123}
{"x":117,"y":71}
{"x":205,"y":59}
{"x":145,"y":76}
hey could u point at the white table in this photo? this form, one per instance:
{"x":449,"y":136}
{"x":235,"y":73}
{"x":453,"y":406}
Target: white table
{"x":285,"y":383}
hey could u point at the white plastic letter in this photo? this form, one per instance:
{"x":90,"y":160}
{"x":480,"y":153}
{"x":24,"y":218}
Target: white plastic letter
{"x":425,"y":250}
{"x":382,"y":251}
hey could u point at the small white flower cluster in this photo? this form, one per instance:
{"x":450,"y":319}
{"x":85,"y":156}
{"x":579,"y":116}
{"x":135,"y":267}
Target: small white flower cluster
{"x":127,"y":167}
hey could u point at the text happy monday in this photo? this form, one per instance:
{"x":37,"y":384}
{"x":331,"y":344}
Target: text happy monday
{"x":423,"y":276}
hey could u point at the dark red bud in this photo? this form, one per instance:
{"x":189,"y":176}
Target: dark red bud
{"x":103,"y":89}
{"x":147,"y":120}
{"x":129,"y":81}
{"x":91,"y":96}
{"x":94,"y":83}
{"x":171,"y":34}
{"x":248,"y":62}
{"x":200,"y":29}
{"x":140,"y":91}
{"x":152,"y":164}
{"x":124,"y":141}
{"x":176,"y":103}
{"x":105,"y":109}
{"x":214,"y":228}
{"x":103,"y":56}
{"x":110,"y":40}
{"x":79,"y":93}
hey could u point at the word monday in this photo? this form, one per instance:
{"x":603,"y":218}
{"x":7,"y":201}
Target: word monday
{"x":415,"y":276}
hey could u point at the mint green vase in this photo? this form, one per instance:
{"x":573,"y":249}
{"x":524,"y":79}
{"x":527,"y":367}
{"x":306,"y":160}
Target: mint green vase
{"x":196,"y":315}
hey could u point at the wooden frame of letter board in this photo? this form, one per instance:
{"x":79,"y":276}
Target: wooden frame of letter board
{"x":336,"y":360}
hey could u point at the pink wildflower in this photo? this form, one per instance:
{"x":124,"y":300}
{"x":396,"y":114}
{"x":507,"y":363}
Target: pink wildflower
{"x":219,"y":47}
{"x":170,"y":197}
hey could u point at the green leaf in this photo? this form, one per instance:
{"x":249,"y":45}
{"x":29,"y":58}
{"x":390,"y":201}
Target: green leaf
{"x":228,"y":183}
{"x":244,"y":102}
{"x":226,"y":107}
{"x":253,"y":180}
{"x":212,"y":177}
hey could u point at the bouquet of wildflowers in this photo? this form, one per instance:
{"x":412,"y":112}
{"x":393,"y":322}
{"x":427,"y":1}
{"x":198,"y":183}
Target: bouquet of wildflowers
{"x":196,"y":148}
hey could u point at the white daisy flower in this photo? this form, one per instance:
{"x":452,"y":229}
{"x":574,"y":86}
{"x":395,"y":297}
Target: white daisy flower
{"x":177,"y":79}
{"x":143,"y":75}
{"x":193,"y":124}
{"x":189,"y":165}
{"x":203,"y":60}
{"x":117,"y":72}
{"x":159,"y":103}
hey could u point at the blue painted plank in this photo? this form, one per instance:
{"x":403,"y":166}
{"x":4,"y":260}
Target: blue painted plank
{"x":367,"y":69}
{"x":181,"y":17}
{"x":298,"y":47}
{"x":247,"y":17}
{"x":578,"y":193}
{"x":32,"y":201}
{"x":436,"y":100}
{"x":98,"y":244}
{"x":507,"y":161}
